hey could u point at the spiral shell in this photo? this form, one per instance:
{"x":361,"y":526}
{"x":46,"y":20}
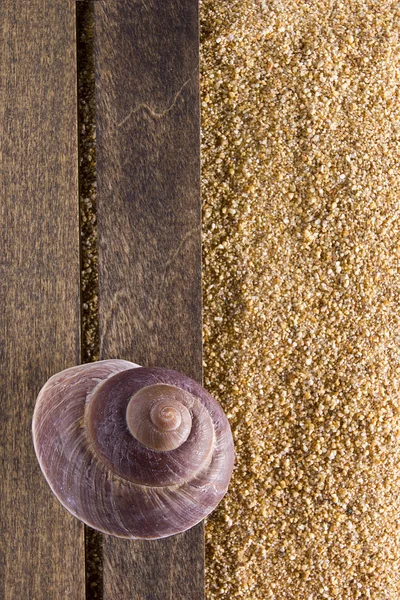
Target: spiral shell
{"x":131,"y":451}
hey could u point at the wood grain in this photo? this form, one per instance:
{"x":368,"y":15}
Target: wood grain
{"x":42,"y":550}
{"x":149,"y":223}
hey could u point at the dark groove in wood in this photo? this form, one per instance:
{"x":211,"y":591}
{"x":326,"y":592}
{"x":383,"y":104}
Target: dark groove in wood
{"x":42,"y":545}
{"x":149,"y":219}
{"x":87,"y":180}
{"x":88,"y":229}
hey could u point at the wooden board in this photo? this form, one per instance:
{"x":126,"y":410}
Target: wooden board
{"x":42,"y":546}
{"x":148,"y":172}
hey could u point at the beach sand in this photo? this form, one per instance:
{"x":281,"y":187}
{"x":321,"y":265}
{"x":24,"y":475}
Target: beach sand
{"x":301,"y":246}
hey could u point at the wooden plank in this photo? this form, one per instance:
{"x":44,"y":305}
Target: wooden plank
{"x":148,"y":168}
{"x":42,"y":546}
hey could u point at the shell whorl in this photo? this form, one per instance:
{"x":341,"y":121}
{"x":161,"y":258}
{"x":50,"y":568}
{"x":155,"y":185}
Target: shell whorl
{"x":158,"y":416}
{"x":134,"y":452}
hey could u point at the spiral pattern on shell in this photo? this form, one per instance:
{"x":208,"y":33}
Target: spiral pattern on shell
{"x":131,"y":451}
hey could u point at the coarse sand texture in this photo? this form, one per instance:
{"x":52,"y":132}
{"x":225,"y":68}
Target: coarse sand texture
{"x":301,"y":245}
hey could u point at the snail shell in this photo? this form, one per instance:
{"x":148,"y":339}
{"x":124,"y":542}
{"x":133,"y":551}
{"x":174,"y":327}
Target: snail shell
{"x":133,"y":452}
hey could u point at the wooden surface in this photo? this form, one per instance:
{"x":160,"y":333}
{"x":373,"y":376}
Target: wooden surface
{"x":42,"y":550}
{"x":148,"y":172}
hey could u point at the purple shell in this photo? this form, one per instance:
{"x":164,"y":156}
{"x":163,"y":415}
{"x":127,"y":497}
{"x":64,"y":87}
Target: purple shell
{"x":111,"y":481}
